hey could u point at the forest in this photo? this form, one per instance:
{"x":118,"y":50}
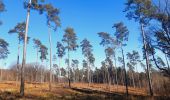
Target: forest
{"x":55,"y":74}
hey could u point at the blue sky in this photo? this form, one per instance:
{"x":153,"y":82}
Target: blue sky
{"x":87,"y":17}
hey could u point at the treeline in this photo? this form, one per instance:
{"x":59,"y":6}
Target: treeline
{"x":37,"y":73}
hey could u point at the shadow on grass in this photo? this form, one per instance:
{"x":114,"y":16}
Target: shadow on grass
{"x":78,"y":96}
{"x":15,"y":96}
{"x":100,"y":95}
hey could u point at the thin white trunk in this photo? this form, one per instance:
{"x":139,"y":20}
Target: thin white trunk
{"x":59,"y":73}
{"x":69,"y":80}
{"x":24,"y":51}
{"x":41,"y":75}
{"x":116,"y":73}
{"x":49,"y":33}
{"x":36,"y":67}
{"x":88,"y":74}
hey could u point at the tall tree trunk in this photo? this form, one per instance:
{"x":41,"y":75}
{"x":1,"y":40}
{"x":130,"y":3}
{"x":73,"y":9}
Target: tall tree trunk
{"x":122,"y":78}
{"x":138,"y":77}
{"x":69,"y":80}
{"x":17,"y":79}
{"x":59,"y":68}
{"x":116,"y":72}
{"x":24,"y":51}
{"x":108,"y":78}
{"x":103,"y":76}
{"x":133,"y":79}
{"x":74,"y":78}
{"x":88,"y":73}
{"x":91,"y":76}
{"x":36,"y":67}
{"x":49,"y":33}
{"x":147,"y":60}
{"x":41,"y":73}
{"x":126,"y":81}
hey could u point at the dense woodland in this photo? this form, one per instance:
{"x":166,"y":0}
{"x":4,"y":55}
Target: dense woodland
{"x":118,"y":68}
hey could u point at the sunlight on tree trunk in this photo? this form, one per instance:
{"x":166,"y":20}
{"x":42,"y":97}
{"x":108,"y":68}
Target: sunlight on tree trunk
{"x":17,"y":78}
{"x":49,"y":33}
{"x":24,"y":52}
{"x":69,"y":81}
{"x":116,"y":73}
{"x":147,"y":62}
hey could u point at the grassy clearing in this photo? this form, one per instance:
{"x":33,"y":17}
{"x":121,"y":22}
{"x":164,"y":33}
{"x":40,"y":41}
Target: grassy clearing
{"x":10,"y":91}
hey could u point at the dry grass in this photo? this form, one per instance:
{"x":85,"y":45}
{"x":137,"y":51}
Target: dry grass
{"x":38,"y":91}
{"x":34,"y":91}
{"x":113,"y":88}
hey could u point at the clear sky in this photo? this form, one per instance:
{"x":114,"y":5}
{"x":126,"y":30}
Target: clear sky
{"x":87,"y":17}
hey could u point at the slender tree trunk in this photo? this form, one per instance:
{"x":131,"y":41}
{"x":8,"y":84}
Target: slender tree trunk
{"x":133,"y":80}
{"x":24,"y":51}
{"x":59,"y":68}
{"x":74,"y":78}
{"x":17,"y":79}
{"x":91,"y":76}
{"x":124,"y":68}
{"x":108,"y":78}
{"x":69,"y":81}
{"x":122,"y":78}
{"x":138,"y":77}
{"x":49,"y":33}
{"x":41,"y":74}
{"x":116,"y":72}
{"x":147,"y":61}
{"x":103,"y":76}
{"x":88,"y":76}
{"x":105,"y":79}
{"x":36,"y":66}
